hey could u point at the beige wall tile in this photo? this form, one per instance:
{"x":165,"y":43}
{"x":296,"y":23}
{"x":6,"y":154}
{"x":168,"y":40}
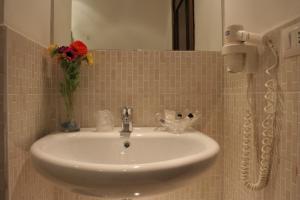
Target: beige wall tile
{"x":31,"y":109}
{"x":1,"y":11}
{"x":3,"y":163}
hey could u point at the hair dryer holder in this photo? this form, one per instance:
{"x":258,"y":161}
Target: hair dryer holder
{"x":241,"y":49}
{"x":240,"y":57}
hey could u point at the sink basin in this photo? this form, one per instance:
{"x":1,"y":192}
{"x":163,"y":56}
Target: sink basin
{"x":106,"y":165}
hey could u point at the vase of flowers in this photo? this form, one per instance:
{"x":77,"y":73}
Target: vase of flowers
{"x":70,"y":59}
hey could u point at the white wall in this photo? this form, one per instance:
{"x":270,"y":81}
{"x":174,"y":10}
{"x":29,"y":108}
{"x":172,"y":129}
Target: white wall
{"x":260,"y":15}
{"x":62,"y":22}
{"x":30,"y":18}
{"x":208,"y":25}
{"x":120,"y":24}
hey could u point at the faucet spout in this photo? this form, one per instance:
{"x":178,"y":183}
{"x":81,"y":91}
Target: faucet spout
{"x":126,"y":116}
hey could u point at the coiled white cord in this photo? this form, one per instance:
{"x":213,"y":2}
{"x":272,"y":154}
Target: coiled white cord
{"x":268,"y":127}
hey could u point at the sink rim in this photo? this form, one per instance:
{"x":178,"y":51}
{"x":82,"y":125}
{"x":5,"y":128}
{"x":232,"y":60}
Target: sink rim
{"x":133,"y":168}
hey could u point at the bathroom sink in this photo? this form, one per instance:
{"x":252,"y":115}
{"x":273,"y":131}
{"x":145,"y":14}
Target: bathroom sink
{"x":106,"y":165}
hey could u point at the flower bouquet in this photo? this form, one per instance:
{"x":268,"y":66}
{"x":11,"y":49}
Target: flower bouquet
{"x":70,"y":59}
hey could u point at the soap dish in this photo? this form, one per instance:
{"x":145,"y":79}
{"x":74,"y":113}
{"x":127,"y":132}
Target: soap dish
{"x":176,"y":122}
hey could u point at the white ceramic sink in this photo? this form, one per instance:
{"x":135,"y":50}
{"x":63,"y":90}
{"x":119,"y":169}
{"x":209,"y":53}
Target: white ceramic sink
{"x":98,"y":164}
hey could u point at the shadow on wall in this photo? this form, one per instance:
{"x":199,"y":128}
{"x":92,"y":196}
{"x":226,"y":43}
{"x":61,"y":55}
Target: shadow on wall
{"x":29,"y":185}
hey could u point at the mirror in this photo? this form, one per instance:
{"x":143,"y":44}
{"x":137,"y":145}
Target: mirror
{"x":140,"y":24}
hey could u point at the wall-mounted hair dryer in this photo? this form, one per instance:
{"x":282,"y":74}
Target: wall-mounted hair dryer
{"x":241,"y":49}
{"x":241,"y":53}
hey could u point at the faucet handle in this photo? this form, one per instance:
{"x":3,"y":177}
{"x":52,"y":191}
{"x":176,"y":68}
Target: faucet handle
{"x":129,"y":110}
{"x":126,"y":111}
{"x":126,"y":120}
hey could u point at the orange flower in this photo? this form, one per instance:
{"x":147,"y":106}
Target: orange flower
{"x":79,"y":47}
{"x":52,"y":47}
{"x":89,"y":58}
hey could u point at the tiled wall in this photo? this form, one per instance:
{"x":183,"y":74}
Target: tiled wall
{"x":150,"y":81}
{"x":285,"y":177}
{"x":31,"y":89}
{"x":2,"y":112}
{"x":1,"y":11}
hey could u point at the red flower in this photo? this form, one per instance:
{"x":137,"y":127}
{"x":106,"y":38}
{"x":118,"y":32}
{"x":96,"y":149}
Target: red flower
{"x":79,"y":47}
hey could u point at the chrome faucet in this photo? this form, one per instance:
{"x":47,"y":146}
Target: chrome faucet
{"x":126,"y":122}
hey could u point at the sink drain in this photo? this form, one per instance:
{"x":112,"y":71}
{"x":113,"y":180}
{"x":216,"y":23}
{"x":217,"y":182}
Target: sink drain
{"x":126,"y":144}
